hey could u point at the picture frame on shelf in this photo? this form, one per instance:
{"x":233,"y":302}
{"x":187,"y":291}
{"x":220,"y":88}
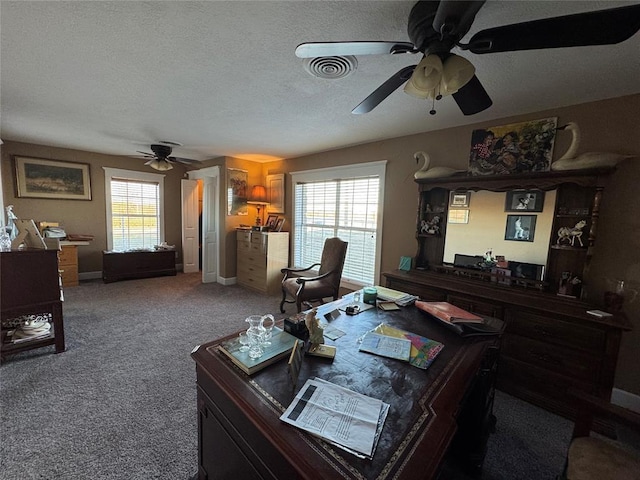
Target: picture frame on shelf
{"x":271,"y":221}
{"x":458,"y":215}
{"x":53,"y":179}
{"x":279,"y":224}
{"x":524,"y":201}
{"x":520,"y":228}
{"x":459,"y":199}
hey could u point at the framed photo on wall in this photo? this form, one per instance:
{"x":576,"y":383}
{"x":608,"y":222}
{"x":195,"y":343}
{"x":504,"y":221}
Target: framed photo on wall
{"x":524,"y":200}
{"x":521,"y":228}
{"x":237,"y":193}
{"x":275,"y":193}
{"x":55,"y":179}
{"x":459,"y":199}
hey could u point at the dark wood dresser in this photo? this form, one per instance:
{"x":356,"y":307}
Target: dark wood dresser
{"x":129,"y":265}
{"x":550,"y":343}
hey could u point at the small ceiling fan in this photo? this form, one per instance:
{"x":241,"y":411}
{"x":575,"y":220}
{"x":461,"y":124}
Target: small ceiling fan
{"x":436,"y":27}
{"x":160,"y":159}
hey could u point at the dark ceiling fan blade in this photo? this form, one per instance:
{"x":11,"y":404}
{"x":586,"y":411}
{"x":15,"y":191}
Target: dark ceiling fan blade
{"x":602,"y":27}
{"x":472,"y":98}
{"x":335,"y":49}
{"x":146,"y":154}
{"x":454,"y":17}
{"x":185,"y":161}
{"x":384,"y":90}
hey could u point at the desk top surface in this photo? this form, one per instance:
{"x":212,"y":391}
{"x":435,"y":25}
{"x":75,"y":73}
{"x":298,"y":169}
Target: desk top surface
{"x":423,"y":403}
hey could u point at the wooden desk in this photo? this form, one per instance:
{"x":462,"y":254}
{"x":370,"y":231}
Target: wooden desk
{"x":447,"y":405}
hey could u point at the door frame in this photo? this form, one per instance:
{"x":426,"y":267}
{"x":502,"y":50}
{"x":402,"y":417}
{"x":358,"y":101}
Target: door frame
{"x":203,"y":173}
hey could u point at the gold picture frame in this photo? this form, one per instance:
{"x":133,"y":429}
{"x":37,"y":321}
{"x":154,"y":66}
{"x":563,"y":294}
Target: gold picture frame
{"x":275,"y":189}
{"x":53,"y":179}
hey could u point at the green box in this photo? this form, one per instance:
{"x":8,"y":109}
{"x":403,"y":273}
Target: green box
{"x":405,"y":263}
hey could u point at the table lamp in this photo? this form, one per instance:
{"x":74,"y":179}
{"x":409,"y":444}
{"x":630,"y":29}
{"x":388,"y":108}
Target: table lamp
{"x":258,"y":197}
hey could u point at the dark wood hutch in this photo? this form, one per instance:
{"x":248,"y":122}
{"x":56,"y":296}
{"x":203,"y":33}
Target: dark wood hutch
{"x":550,"y":344}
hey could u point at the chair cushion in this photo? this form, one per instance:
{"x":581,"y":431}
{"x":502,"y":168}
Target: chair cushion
{"x":598,"y":459}
{"x":314,"y":289}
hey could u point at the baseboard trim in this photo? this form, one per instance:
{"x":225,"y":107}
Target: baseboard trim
{"x":625,"y":399}
{"x":89,"y":275}
{"x":227,"y":281}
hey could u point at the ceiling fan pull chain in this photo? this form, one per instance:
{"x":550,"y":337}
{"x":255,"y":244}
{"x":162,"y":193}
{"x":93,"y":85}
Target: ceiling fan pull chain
{"x":433,"y":107}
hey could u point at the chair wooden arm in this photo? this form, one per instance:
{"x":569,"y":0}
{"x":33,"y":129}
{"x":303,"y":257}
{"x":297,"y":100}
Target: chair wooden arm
{"x":309,"y":279}
{"x":287,"y":271}
{"x":591,"y":406}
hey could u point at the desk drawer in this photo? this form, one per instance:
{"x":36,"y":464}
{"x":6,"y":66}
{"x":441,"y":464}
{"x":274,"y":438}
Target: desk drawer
{"x":68,"y":255}
{"x":556,"y":331}
{"x":563,"y":361}
{"x":475,"y":305}
{"x":69,"y":276}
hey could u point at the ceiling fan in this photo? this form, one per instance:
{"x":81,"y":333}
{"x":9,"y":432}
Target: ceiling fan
{"x":160,"y":159}
{"x":436,"y":27}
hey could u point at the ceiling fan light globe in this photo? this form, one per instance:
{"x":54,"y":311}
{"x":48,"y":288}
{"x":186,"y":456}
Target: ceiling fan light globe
{"x":425,"y":78}
{"x":457,"y":72}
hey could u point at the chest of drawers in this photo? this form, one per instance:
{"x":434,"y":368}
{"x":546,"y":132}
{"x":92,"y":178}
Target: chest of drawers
{"x":260,"y":256}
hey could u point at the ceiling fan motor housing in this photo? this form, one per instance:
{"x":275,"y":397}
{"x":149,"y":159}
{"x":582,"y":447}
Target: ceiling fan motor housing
{"x":161,"y":151}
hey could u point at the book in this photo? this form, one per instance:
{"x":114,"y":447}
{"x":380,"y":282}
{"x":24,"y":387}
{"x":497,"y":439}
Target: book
{"x":449,"y":313}
{"x":388,"y":306}
{"x":461,"y":327}
{"x":423,"y":350}
{"x":401,"y":298}
{"x":281,"y":345}
{"x":321,"y":350}
{"x":386,"y":346}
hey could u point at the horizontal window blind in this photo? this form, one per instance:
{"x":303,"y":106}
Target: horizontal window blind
{"x":347,"y":208}
{"x":135,"y":214}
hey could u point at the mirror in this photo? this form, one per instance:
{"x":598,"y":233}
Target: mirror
{"x":487,"y":225}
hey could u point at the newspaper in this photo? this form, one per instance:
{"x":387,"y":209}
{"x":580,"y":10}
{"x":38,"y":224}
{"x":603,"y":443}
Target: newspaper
{"x":345,"y":418}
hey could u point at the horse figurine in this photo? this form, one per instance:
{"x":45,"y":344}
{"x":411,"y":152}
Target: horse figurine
{"x":570,"y":234}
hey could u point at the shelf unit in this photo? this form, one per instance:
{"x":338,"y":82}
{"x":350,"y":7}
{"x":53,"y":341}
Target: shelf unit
{"x":30,"y":285}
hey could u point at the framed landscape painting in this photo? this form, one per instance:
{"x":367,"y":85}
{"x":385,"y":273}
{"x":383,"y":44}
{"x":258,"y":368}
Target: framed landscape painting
{"x":515,"y":148}
{"x":237,"y":192}
{"x":55,"y":179}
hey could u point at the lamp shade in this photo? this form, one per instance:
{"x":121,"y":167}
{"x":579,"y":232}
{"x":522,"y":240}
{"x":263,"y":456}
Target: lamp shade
{"x":258,"y":195}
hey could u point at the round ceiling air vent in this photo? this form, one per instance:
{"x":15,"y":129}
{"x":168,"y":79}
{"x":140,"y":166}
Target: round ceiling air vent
{"x":330,"y":67}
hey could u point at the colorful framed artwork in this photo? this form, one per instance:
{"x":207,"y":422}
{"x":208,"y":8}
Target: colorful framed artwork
{"x":54,"y":179}
{"x":515,"y":148}
{"x":237,"y":193}
{"x":524,"y":200}
{"x":521,"y":228}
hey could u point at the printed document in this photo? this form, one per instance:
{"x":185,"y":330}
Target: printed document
{"x":341,"y":416}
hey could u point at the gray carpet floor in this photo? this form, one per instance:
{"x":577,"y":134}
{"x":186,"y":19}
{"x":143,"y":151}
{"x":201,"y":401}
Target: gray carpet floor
{"x":120,"y":403}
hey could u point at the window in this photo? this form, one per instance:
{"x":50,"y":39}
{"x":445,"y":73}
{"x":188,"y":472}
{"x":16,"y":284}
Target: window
{"x":342,"y":202}
{"x":135,"y":209}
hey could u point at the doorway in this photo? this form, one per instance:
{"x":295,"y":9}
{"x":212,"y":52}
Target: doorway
{"x":201,"y":227}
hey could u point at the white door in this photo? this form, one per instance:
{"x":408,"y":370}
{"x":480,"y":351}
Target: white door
{"x":190,"y":230}
{"x":210,"y":230}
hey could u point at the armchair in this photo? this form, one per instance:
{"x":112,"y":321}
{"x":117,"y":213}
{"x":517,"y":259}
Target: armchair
{"x":326,"y":284}
{"x":593,"y":457}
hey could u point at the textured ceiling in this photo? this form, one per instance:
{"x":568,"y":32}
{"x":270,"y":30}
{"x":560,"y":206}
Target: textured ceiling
{"x":221,"y":77}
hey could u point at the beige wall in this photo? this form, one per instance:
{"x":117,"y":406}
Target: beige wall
{"x":610,"y":125}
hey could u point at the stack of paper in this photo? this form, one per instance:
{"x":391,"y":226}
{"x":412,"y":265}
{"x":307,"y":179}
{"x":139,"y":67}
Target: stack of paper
{"x":345,"y":418}
{"x":400,"y":298}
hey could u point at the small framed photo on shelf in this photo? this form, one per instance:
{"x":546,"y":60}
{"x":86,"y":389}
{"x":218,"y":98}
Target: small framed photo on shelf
{"x":279,"y":223}
{"x":271,"y":222}
{"x":521,"y":228}
{"x":459,"y":199}
{"x":458,"y":215}
{"x":524,"y":200}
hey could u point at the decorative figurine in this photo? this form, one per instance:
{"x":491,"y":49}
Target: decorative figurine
{"x":431,"y":172}
{"x":316,"y":333}
{"x":430,"y":227}
{"x":569,"y":234}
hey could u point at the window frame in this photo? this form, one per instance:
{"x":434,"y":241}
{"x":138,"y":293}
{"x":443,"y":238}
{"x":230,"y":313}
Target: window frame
{"x":131,"y":175}
{"x":345,"y":172}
